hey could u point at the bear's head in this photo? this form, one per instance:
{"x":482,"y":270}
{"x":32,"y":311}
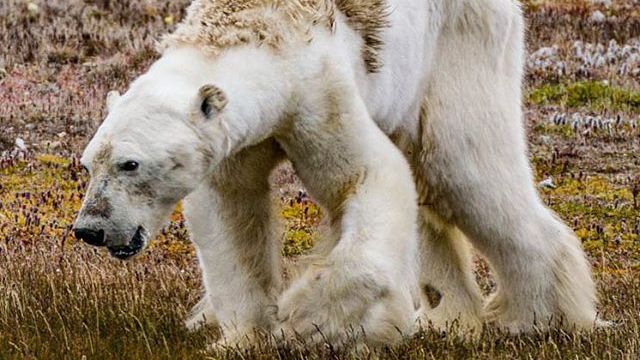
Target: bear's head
{"x":149,"y":153}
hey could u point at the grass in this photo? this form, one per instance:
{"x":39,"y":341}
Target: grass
{"x":591,"y":95}
{"x":60,"y":299}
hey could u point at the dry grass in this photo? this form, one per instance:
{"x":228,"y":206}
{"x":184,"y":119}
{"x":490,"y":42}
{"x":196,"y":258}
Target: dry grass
{"x":61,"y":299}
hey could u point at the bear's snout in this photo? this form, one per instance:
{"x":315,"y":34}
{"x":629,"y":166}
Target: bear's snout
{"x":91,"y":237}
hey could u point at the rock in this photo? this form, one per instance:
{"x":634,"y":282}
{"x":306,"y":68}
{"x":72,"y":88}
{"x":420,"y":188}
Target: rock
{"x":33,"y":8}
{"x":598,"y":16}
{"x":545,"y":139}
{"x":20,"y":144}
{"x":547,"y":184}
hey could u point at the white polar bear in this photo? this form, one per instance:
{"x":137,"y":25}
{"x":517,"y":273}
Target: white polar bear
{"x":242,"y":84}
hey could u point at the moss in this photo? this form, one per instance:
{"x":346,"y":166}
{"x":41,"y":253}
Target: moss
{"x":49,"y":159}
{"x":565,"y":132}
{"x":596,"y":186}
{"x":297,"y":242}
{"x":601,"y":213}
{"x":545,"y":94}
{"x":301,"y":219}
{"x":592,"y":95}
{"x":40,"y":198}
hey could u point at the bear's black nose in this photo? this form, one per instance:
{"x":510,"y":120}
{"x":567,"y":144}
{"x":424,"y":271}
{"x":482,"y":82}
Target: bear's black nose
{"x":91,"y":237}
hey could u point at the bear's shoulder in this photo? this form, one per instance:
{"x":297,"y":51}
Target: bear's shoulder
{"x":218,"y":25}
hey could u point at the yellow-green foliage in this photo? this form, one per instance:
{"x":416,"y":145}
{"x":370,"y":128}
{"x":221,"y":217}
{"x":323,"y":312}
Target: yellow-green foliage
{"x":595,"y":96}
{"x":301,"y":219}
{"x":39,"y":198}
{"x":602,"y":215}
{"x":550,"y":129}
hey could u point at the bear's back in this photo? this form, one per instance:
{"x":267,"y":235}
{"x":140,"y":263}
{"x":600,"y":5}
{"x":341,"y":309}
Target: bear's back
{"x":222,"y":24}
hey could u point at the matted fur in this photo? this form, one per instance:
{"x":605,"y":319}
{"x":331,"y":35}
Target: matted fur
{"x":368,"y":17}
{"x":216,"y":25}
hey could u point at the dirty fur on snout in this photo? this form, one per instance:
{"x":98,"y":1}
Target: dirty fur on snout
{"x":218,"y":25}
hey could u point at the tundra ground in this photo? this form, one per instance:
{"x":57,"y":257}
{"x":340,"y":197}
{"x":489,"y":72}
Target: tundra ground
{"x":62,"y":299}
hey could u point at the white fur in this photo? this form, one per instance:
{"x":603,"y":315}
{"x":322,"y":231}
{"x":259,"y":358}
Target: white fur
{"x":449,"y":94}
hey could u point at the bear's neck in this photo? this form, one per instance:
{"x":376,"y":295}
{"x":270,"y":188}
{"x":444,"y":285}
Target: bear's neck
{"x":258,"y":86}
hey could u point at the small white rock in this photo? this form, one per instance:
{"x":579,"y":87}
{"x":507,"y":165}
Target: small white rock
{"x":598,"y":16}
{"x":547,"y":184}
{"x":33,"y":8}
{"x":20,"y":144}
{"x":545,"y":139}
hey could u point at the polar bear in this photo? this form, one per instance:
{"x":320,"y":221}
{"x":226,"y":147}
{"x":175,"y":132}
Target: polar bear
{"x":371,"y":100}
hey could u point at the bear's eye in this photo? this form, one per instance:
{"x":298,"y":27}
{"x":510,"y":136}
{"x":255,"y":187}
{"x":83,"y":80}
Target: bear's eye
{"x":129,"y":165}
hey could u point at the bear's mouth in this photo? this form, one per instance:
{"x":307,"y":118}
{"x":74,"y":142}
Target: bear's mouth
{"x":136,"y":244}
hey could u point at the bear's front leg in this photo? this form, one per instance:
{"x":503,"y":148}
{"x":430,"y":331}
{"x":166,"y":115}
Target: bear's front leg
{"x":232,"y":226}
{"x":347,"y":298}
{"x":363,"y":285}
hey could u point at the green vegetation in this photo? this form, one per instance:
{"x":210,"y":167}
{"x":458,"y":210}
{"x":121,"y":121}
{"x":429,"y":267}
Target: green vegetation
{"x":600,"y":213}
{"x":301,"y":219}
{"x":592,"y":95}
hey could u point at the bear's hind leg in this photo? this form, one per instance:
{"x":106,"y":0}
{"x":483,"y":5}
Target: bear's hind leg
{"x":449,"y":292}
{"x":543,"y":276}
{"x":450,"y":296}
{"x":475,"y":162}
{"x":544,"y":279}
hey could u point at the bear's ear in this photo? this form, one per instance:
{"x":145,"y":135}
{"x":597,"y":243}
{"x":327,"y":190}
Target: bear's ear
{"x":113,"y":97}
{"x":211,"y":100}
